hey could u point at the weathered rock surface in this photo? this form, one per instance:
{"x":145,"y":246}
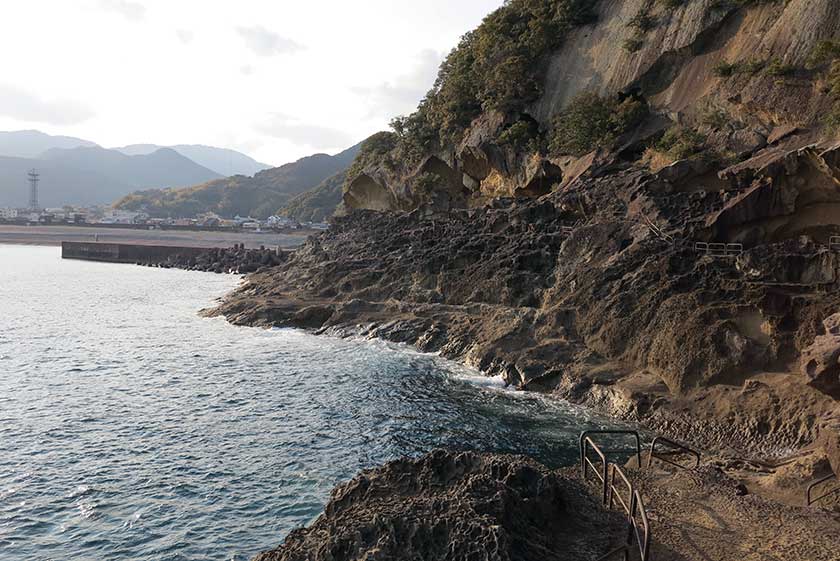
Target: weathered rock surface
{"x":448,"y":506}
{"x":675,"y":69}
{"x":689,"y":294}
{"x":599,"y":293}
{"x":820,"y":363}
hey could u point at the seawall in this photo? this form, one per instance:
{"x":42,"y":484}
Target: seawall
{"x":125,"y":253}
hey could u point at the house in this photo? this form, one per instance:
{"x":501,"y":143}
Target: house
{"x":123,"y":217}
{"x":9,"y":213}
{"x":280,"y":222}
{"x":209,"y":220}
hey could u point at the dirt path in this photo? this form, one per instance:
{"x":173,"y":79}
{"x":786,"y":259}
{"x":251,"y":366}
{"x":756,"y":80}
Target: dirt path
{"x":708,"y":516}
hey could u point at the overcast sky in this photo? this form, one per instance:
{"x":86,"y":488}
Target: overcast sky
{"x":277,"y":79}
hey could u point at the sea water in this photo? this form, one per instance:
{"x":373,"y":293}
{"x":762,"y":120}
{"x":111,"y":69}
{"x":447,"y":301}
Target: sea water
{"x":131,"y":428}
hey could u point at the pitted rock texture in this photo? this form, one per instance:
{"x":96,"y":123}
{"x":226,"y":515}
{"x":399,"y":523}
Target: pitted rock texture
{"x":451,"y":506}
{"x":599,"y":293}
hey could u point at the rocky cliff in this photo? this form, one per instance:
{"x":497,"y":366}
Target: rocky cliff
{"x":739,"y":72}
{"x":649,"y":228}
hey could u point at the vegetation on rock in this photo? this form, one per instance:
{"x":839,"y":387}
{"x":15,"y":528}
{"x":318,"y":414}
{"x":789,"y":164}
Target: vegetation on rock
{"x":499,"y":66}
{"x":681,"y":142}
{"x":591,"y":121}
{"x":317,"y":205}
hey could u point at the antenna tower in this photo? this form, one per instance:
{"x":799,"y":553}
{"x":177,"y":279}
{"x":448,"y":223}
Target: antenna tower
{"x":34,"y":178}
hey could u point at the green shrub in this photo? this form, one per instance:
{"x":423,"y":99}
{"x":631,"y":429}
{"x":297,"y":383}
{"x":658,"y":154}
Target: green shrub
{"x":681,"y":142}
{"x":632,"y":45}
{"x":831,"y":122}
{"x":715,"y":118}
{"x":751,"y":66}
{"x":591,"y":121}
{"x":522,"y":136}
{"x":374,"y":150}
{"x":498,"y":66}
{"x":776,"y":67}
{"x":724,"y":69}
{"x":823,"y":53}
{"x":643,"y":21}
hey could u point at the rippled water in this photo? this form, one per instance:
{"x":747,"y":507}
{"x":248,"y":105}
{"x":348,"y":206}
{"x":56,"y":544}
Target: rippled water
{"x":131,"y":428}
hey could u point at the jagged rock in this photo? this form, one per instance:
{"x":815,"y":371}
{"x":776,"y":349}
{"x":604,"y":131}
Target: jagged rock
{"x":235,"y":260}
{"x":449,"y":505}
{"x":820,"y":362}
{"x":797,"y":261}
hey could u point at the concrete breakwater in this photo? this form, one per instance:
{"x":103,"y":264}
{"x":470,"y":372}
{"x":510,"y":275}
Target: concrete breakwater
{"x":236,"y":259}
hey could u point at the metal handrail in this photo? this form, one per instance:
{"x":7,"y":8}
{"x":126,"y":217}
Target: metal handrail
{"x":811,"y":500}
{"x":643,"y":541}
{"x":615,"y":494}
{"x":680,"y":447}
{"x":586,"y":462}
{"x":719,"y":249}
{"x":635,"y":434}
{"x":633,"y":507}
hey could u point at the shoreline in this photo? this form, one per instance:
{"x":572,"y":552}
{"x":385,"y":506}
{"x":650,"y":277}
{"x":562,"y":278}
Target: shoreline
{"x":351,"y":281}
{"x":55,"y":235}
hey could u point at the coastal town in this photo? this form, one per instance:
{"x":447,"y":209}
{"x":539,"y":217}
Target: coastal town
{"x":106,"y":216}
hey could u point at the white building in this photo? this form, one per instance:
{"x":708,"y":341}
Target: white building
{"x":9,"y":213}
{"x":123,"y":217}
{"x":280,"y":222}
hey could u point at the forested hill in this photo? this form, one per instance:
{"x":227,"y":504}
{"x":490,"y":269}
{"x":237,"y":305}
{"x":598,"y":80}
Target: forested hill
{"x":259,"y":196}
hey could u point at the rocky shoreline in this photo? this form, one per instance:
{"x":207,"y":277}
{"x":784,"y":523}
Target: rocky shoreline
{"x":598,"y":294}
{"x":466,"y":505}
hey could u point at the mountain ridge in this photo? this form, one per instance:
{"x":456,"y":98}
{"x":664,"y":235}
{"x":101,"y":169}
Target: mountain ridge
{"x":260,"y":196}
{"x":224,"y":161}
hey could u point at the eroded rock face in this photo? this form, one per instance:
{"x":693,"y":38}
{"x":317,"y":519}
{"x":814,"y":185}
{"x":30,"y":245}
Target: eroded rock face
{"x":450,"y":505}
{"x":674,"y":70}
{"x":830,"y":441}
{"x":583,"y":292}
{"x":820,"y":362}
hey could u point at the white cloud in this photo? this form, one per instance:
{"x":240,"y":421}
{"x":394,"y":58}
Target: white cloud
{"x":25,"y":106}
{"x":145,"y":86}
{"x":265,"y":42}
{"x":291,"y":129}
{"x":402,"y":94}
{"x":129,"y":10}
{"x":185,"y":36}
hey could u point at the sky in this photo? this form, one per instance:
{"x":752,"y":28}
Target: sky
{"x":276,"y":79}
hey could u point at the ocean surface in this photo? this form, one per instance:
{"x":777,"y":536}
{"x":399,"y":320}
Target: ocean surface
{"x":131,"y":428}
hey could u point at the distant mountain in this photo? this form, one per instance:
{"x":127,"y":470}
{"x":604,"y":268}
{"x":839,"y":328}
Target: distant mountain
{"x":259,"y":196}
{"x":60,"y":184}
{"x":318,"y":204}
{"x":162,"y":168}
{"x":94,"y":175}
{"x":31,"y":144}
{"x":223,"y":161}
